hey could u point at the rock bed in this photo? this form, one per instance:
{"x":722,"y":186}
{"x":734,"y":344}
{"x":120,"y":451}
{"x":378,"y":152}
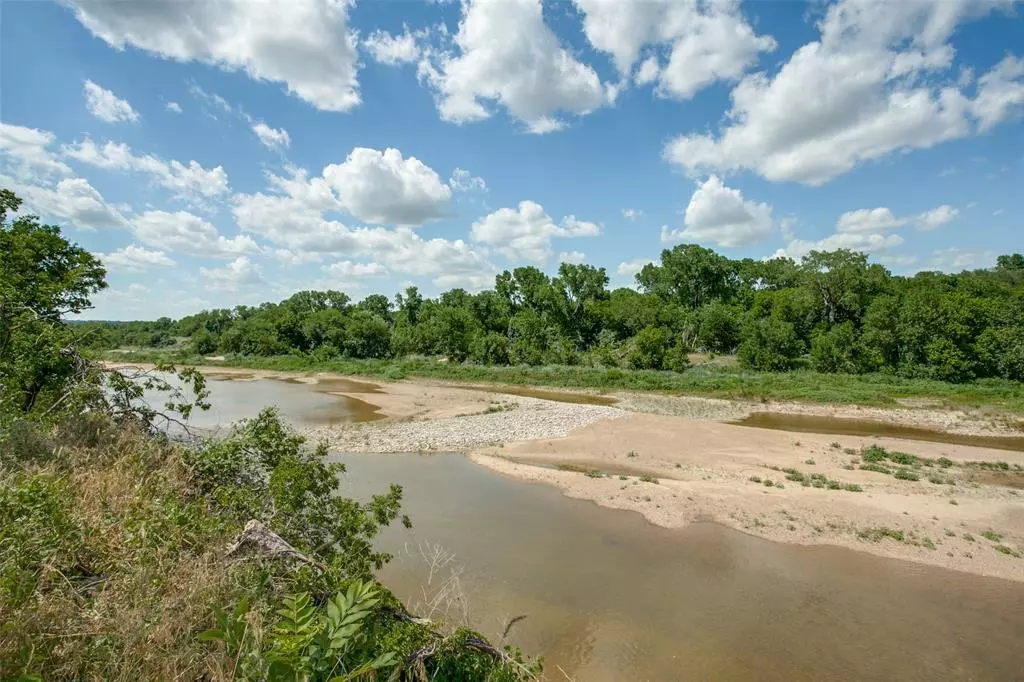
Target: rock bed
{"x":527,"y":419}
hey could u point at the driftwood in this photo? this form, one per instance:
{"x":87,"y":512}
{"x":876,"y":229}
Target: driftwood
{"x":257,"y":539}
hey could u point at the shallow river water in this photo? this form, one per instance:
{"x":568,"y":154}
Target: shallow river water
{"x":608,"y":596}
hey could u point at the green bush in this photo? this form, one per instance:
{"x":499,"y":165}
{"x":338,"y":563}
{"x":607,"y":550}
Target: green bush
{"x":649,"y":349}
{"x":769,"y":345}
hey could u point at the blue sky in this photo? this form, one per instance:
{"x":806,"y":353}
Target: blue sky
{"x":235,"y":152}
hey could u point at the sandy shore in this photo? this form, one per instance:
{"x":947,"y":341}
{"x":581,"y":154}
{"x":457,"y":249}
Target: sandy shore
{"x":713,"y":471}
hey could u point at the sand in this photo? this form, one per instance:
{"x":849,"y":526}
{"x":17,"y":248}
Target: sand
{"x":704,"y":467}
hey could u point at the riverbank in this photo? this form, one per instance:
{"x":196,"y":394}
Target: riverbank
{"x":676,"y":460}
{"x":710,"y":379}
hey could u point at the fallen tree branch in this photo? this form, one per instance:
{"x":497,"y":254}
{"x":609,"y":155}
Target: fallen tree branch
{"x":257,"y":539}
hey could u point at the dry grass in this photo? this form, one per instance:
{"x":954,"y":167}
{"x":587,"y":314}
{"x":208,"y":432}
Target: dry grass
{"x":135,"y":588}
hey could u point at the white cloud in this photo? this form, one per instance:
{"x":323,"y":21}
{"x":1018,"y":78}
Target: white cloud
{"x":880,"y":72}
{"x":956,"y":259}
{"x":879,"y":220}
{"x":720,"y":215}
{"x":135,"y":259}
{"x":899,"y":261}
{"x":648,"y":71}
{"x":184,"y":232}
{"x":1000,"y":93}
{"x":866,"y":220}
{"x":572,"y":257}
{"x":185,"y":181}
{"x":525,"y":232}
{"x":106,"y":106}
{"x":272,"y":138}
{"x":238,"y":273}
{"x":464,"y":181}
{"x":632,"y":214}
{"x":173,"y":107}
{"x":630,"y":268}
{"x":305,"y":44}
{"x":293,"y":218}
{"x":706,"y":41}
{"x":73,"y":202}
{"x":27,"y":152}
{"x":505,"y":53}
{"x":937,"y":217}
{"x":392,"y":50}
{"x":347,"y":270}
{"x":382,"y":187}
{"x":865,"y":243}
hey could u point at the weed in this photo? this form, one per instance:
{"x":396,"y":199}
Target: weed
{"x":968,"y":537}
{"x":768,"y":483}
{"x":877,"y":468}
{"x":849,"y":467}
{"x":992,"y":535}
{"x":944,"y":462}
{"x":647,"y":478}
{"x":927,"y":543}
{"x":853,"y":488}
{"x":850,"y":451}
{"x":755,"y":479}
{"x":950,"y":533}
{"x":594,"y":473}
{"x":937,"y":480}
{"x":881,"y":533}
{"x":631,"y":454}
{"x":809,"y":461}
{"x":835,"y":445}
{"x":954,"y":502}
{"x":1007,"y":550}
{"x":906,"y":475}
{"x":623,"y":478}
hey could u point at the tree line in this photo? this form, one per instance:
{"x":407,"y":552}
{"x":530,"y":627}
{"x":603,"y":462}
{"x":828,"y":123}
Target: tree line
{"x":831,"y":311}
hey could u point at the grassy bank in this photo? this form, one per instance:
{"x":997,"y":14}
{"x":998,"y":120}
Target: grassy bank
{"x":712,"y":381}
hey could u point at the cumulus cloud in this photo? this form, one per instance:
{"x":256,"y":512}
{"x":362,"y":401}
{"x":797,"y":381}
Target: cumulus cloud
{"x":958,"y":259}
{"x":135,"y":259}
{"x":720,"y":215}
{"x":865,"y":243}
{"x":239,"y":273}
{"x":347,"y":270}
{"x":186,"y":181}
{"x":27,"y":154}
{"x":574,"y":257}
{"x":631,"y":268}
{"x":937,"y":217}
{"x":705,"y":41}
{"x":73,"y":202}
{"x":304,"y":44}
{"x":881,"y":74}
{"x":106,"y":106}
{"x":272,"y":138}
{"x":173,"y":107}
{"x":391,"y":49}
{"x":505,"y":54}
{"x":866,"y":220}
{"x":184,"y":232}
{"x":292,"y":217}
{"x":384,"y":188}
{"x":525,"y":232}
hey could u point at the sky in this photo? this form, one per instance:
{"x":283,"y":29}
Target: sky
{"x":233,"y":152}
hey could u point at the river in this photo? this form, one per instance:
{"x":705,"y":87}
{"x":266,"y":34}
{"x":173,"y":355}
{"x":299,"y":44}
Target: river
{"x":608,"y":596}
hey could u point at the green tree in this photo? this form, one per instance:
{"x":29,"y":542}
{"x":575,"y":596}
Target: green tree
{"x":43,"y":278}
{"x":649,"y":349}
{"x":769,"y":345}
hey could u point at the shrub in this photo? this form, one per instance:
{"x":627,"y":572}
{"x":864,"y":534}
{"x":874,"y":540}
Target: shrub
{"x":769,"y":345}
{"x":649,"y":348}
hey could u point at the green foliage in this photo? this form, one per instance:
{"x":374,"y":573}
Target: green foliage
{"x":649,"y":349}
{"x":769,"y":345}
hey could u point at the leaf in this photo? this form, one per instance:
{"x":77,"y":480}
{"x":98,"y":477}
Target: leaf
{"x":211,"y":636}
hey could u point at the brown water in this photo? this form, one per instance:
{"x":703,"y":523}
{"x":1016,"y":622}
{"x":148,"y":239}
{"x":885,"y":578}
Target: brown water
{"x":610,"y":597}
{"x":557,"y":396}
{"x":805,"y":423}
{"x":235,"y":397}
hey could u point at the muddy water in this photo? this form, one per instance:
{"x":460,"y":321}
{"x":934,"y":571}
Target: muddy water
{"x":235,"y":397}
{"x":611,"y":597}
{"x":805,"y":423}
